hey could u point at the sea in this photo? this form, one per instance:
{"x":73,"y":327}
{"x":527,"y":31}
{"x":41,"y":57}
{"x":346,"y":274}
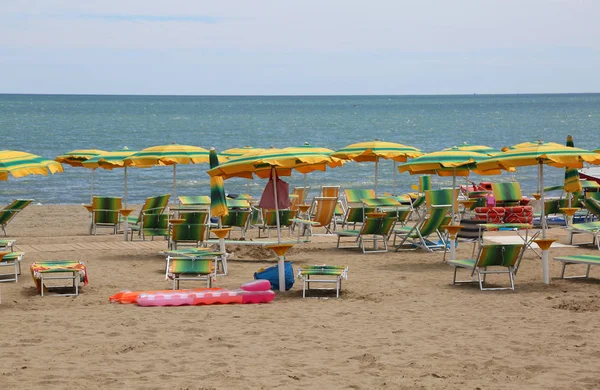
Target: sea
{"x":50,"y":125}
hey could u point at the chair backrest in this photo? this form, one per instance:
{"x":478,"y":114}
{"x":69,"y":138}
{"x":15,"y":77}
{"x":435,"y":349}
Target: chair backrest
{"x":325,"y":210}
{"x":401,"y":215}
{"x":156,"y":225}
{"x":269,"y":217}
{"x":551,"y":206}
{"x":182,"y":232}
{"x":470,"y":230}
{"x":592,"y":205}
{"x":194,"y":200}
{"x":355,"y":196}
{"x":420,"y":201}
{"x":298,"y":196}
{"x":387,"y":225}
{"x":10,"y":211}
{"x":505,"y":255}
{"x":186,"y":265}
{"x":357,"y":214}
{"x":435,"y":219}
{"x":105,"y":210}
{"x":237,"y":218}
{"x":196,"y":217}
{"x":424,"y":183}
{"x":507,"y":192}
{"x":371,"y":226}
{"x":153,"y":205}
{"x":442,"y":197}
{"x":330,"y":191}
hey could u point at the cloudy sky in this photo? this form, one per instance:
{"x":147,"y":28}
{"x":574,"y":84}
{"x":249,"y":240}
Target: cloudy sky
{"x":299,"y":47}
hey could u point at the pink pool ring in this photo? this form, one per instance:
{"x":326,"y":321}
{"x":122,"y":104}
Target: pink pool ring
{"x":252,"y":292}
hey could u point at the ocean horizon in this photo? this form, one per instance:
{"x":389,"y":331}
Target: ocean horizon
{"x":53,"y":124}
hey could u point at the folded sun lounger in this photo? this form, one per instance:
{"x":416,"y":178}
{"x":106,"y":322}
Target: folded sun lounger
{"x":323,"y":274}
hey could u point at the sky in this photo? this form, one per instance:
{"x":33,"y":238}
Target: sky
{"x":299,"y":47}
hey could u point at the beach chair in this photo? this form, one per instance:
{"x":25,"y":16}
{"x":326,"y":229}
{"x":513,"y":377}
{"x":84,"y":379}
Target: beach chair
{"x":418,"y":234}
{"x":12,"y":260}
{"x":185,"y":268}
{"x":330,"y":192}
{"x":237,"y":219}
{"x":587,"y":260}
{"x":510,"y":207}
{"x":470,"y":233}
{"x":7,"y":245}
{"x":592,"y":206}
{"x":591,"y":228}
{"x":298,"y":197}
{"x":8,"y":213}
{"x":502,"y":258}
{"x":374,"y":229}
{"x":74,"y":271}
{"x":152,"y":206}
{"x":105,"y":213}
{"x":270,"y":221}
{"x":187,"y":233}
{"x":322,"y":216}
{"x":322,"y":274}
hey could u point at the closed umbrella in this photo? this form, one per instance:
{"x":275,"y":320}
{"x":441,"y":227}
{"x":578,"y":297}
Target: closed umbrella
{"x":374,"y":151}
{"x":273,"y":162}
{"x":111,"y":160}
{"x":20,"y":164}
{"x":552,"y":154}
{"x":172,"y":154}
{"x":75,"y":158}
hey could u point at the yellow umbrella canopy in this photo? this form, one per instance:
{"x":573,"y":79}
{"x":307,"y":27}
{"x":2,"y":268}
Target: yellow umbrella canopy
{"x":171,"y":154}
{"x":543,"y":153}
{"x":75,"y":158}
{"x":19,"y":164}
{"x":238,"y":152}
{"x":474,"y":148}
{"x":375,"y":150}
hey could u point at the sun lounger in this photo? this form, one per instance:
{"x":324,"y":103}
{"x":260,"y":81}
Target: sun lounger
{"x":11,"y":259}
{"x":587,"y":260}
{"x":504,"y":257}
{"x":7,"y":245}
{"x":43,"y":271}
{"x":105,"y":213}
{"x":427,"y":225}
{"x":592,"y":228}
{"x":184,"y":268}
{"x":374,"y":229}
{"x":322,"y":274}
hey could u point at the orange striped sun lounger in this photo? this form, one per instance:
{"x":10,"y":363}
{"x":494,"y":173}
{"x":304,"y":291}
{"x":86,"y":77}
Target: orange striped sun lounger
{"x":75,"y":271}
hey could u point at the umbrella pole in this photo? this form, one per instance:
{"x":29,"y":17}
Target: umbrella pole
{"x":281,"y":263}
{"x":125,"y":197}
{"x":545,"y":266}
{"x":92,"y":188}
{"x":174,"y":182}
{"x":376,"y":171}
{"x":395,"y":172}
{"x":454,"y":221}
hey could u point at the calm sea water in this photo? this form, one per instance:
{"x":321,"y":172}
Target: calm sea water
{"x":50,"y":125}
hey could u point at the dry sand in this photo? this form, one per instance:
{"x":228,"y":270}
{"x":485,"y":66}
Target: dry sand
{"x":399,"y":324}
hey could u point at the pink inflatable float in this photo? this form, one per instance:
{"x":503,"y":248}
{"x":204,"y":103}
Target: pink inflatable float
{"x":258,"y":291}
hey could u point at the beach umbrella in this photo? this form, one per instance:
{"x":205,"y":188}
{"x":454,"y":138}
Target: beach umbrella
{"x":75,"y":158}
{"x":551,"y":154}
{"x":375,"y":150}
{"x":238,"y":152}
{"x":474,"y":148}
{"x":19,"y":164}
{"x":171,"y":154}
{"x":272,"y":162}
{"x":111,"y":160}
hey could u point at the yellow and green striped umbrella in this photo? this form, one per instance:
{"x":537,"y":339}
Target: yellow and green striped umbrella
{"x":375,"y":150}
{"x":238,"y":152}
{"x":474,"y":148}
{"x":552,"y":154}
{"x":19,"y":164}
{"x":172,"y":154}
{"x":110,"y":160}
{"x":75,"y":158}
{"x":218,"y":203}
{"x":572,"y":182}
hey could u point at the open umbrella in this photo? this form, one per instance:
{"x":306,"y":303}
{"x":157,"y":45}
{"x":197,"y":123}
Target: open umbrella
{"x":376,"y":150}
{"x":75,"y":158}
{"x":466,"y":147}
{"x":269,"y":163}
{"x":238,"y":152}
{"x":548,"y":153}
{"x":110,"y":160}
{"x":448,"y":162}
{"x":172,"y":154}
{"x":19,"y":164}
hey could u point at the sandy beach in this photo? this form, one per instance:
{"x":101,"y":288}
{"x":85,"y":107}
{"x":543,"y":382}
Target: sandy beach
{"x":399,"y":324}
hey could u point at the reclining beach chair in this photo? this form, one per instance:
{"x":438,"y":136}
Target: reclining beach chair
{"x":185,"y":268}
{"x":153,"y":205}
{"x":270,"y":221}
{"x":592,"y":206}
{"x":188,"y":233}
{"x":322,"y":216}
{"x":355,"y":209}
{"x":105,"y":213}
{"x":298,"y":197}
{"x":13,"y":260}
{"x":340,"y":208}
{"x":503,"y":256}
{"x":591,"y":228}
{"x":322,"y":274}
{"x":587,"y":260}
{"x":9,"y":212}
{"x":374,"y":229}
{"x":238,"y":217}
{"x":511,"y":206}
{"x":425,"y":227}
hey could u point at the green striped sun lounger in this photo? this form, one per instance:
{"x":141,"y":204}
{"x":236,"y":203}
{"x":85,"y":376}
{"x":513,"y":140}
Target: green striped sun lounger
{"x":374,"y":229}
{"x":507,"y":194}
{"x":587,"y":260}
{"x":322,"y":274}
{"x":196,"y":253}
{"x":195,"y":200}
{"x":11,"y":259}
{"x":182,"y":233}
{"x":7,"y":245}
{"x":184,"y":268}
{"x":9,"y":212}
{"x":503,"y":259}
{"x":592,"y":228}
{"x":105,"y":213}
{"x":426,"y":226}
